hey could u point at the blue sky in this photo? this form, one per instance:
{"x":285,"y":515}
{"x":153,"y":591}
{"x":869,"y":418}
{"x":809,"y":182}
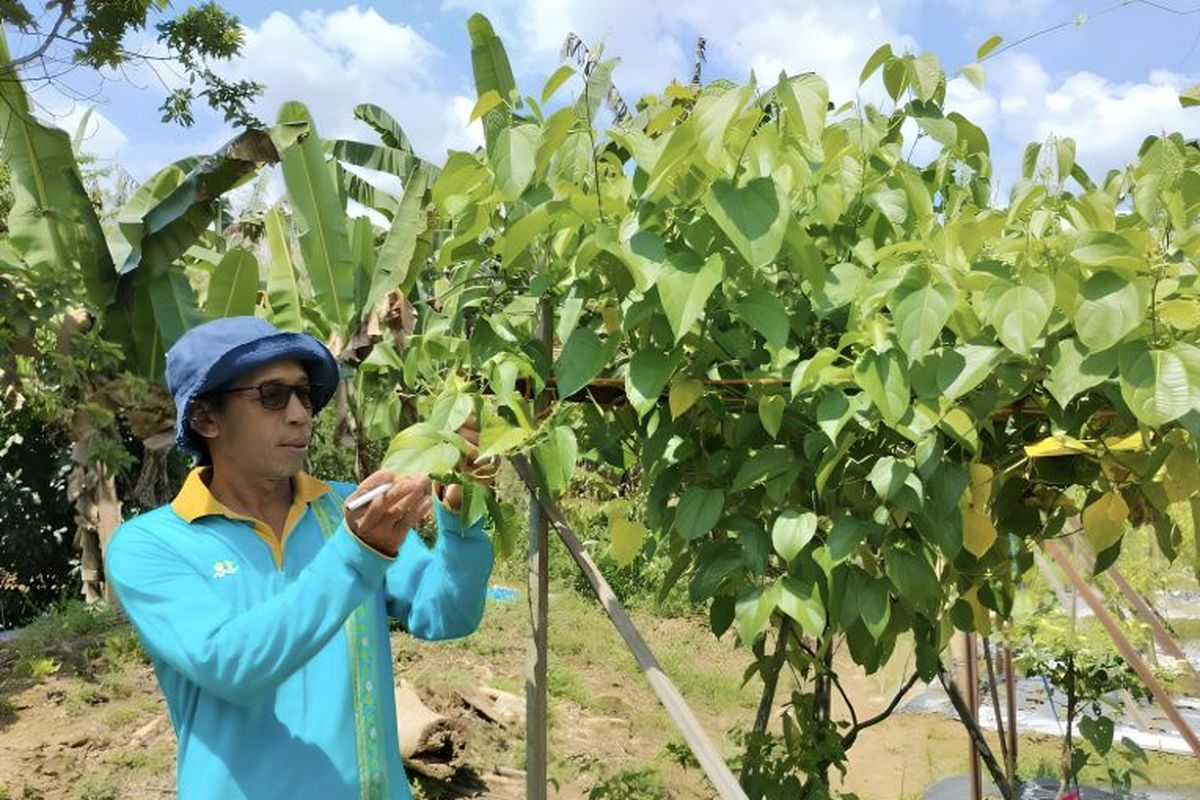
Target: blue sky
{"x":1109,"y":78}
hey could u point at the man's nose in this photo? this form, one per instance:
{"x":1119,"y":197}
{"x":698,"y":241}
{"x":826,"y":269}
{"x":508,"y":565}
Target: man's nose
{"x":296,"y":412}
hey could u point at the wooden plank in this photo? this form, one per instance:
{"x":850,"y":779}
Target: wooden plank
{"x":1124,"y":647}
{"x":706,"y":753}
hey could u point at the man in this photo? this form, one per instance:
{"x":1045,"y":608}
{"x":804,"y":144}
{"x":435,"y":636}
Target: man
{"x":264,"y":606}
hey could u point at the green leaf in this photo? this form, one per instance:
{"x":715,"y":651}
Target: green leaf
{"x":582,"y":357}
{"x":596,"y":89}
{"x":1074,"y":370}
{"x":557,"y":79}
{"x":763,"y":465}
{"x":321,"y":220}
{"x":913,"y":577}
{"x":1183,"y":315}
{"x":846,"y":536}
{"x":1159,"y":385}
{"x":802,"y":602}
{"x":1190,"y":97}
{"x":489,"y":63}
{"x":806,"y":100}
{"x":683,"y":394}
{"x":627,"y":537}
{"x":807,"y":375}
{"x":174,"y":304}
{"x":926,"y":75}
{"x":770,"y":412}
{"x":877,"y":59}
{"x":698,"y":512}
{"x":763,"y":311}
{"x":920,"y":311}
{"x":1107,"y":249}
{"x":953,"y":373}
{"x":882,"y":377}
{"x":1019,"y":312}
{"x":556,"y":458}
{"x":421,"y":449}
{"x":385,"y":125}
{"x":975,"y":74}
{"x":752,"y":612}
{"x":487,"y":101}
{"x":989,"y":44}
{"x":51,"y":223}
{"x":896,"y":482}
{"x":892,"y":203}
{"x":283,"y":286}
{"x":754,"y":216}
{"x":647,"y":377}
{"x":1110,"y":307}
{"x":1098,"y":731}
{"x":684,"y":292}
{"x":512,"y":158}
{"x":395,"y":266}
{"x":791,"y":532}
{"x":233,"y":290}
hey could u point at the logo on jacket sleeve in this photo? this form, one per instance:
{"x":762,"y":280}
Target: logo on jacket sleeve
{"x":224,"y":568}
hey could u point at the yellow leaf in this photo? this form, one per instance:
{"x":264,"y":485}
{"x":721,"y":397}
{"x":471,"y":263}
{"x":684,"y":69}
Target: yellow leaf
{"x":612,"y":318}
{"x":1180,"y":473}
{"x":1180,"y":313}
{"x":683,"y":395}
{"x":1125,"y":444}
{"x":979,"y":534}
{"x":1058,"y":445}
{"x":627,"y":537}
{"x":981,"y":616}
{"x":1104,"y":521}
{"x":981,"y":476}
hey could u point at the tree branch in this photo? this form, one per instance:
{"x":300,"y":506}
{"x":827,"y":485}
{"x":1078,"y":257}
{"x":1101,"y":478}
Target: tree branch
{"x":64,"y":14}
{"x":859,"y":727}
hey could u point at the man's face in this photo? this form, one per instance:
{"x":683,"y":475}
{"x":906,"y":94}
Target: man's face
{"x":256,"y":440}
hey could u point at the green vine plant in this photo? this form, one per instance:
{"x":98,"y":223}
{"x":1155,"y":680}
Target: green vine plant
{"x":856,"y":393}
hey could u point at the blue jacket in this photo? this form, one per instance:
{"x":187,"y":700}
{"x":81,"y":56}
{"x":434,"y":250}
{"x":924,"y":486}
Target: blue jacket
{"x":274,"y":656}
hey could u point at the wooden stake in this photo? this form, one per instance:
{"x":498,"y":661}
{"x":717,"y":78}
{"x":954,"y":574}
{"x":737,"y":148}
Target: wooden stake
{"x":538,"y":579}
{"x":1126,"y":649}
{"x":706,"y":753}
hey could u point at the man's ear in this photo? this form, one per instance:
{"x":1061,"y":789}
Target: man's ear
{"x":204,"y":419}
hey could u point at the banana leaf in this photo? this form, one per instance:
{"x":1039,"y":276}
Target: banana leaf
{"x":321,"y":218}
{"x":52,"y":223}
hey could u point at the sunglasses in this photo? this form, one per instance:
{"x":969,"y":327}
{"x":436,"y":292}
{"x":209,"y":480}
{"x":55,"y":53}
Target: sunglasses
{"x":276,"y":396}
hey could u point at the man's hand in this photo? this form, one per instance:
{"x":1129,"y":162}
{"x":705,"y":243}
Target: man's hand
{"x":385,"y":521}
{"x":483,"y":472}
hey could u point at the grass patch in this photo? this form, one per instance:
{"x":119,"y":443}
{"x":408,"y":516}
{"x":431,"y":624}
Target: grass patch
{"x":99,"y":785}
{"x":69,"y":635}
{"x":1039,"y":757}
{"x":633,"y":783}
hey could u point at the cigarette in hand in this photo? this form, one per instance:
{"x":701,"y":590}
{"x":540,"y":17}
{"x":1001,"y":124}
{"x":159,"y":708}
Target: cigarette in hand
{"x":367,"y":497}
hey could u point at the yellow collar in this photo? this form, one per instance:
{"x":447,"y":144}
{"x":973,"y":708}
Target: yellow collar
{"x":196,"y":500}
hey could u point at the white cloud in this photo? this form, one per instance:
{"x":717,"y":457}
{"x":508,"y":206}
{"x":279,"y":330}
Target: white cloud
{"x":332,"y":61}
{"x":655,"y":38}
{"x":100,"y":136}
{"x":1108,"y":120}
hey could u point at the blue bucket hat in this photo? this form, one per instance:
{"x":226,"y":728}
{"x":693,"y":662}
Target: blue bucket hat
{"x":212,"y":355}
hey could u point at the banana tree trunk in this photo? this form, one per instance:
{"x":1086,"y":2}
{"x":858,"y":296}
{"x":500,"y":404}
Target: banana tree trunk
{"x":93,"y":492}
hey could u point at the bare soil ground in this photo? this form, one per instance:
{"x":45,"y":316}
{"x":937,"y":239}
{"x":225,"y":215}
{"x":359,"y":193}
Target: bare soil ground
{"x":81,"y":717}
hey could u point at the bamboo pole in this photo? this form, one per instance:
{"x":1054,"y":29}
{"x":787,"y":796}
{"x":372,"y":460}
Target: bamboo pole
{"x":714,"y":766}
